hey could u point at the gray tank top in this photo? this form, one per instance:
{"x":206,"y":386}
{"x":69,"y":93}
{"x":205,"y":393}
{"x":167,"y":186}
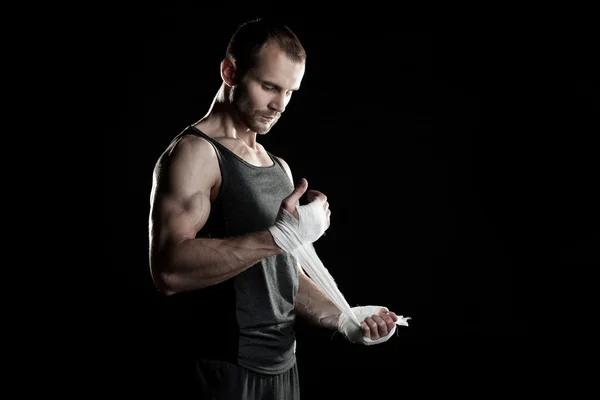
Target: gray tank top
{"x":249,"y":319}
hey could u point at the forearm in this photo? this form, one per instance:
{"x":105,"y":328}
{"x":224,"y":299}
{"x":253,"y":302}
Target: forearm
{"x":314,"y":305}
{"x":198,"y":263}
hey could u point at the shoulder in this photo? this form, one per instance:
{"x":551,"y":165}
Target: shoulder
{"x":187,"y":152}
{"x":188,"y":149}
{"x":279,"y":160}
{"x":285,"y":166}
{"x":191,"y":146}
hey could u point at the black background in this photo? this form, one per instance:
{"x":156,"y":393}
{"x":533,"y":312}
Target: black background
{"x":459,"y":164}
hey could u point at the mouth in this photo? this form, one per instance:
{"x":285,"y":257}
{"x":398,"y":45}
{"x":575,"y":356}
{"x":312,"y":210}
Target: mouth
{"x":267,"y":118}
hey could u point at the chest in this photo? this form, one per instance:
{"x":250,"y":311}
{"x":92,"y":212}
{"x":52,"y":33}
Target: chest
{"x":257,"y":157}
{"x":248,"y":197}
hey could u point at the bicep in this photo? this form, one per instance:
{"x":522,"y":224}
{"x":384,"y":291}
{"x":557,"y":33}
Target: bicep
{"x":182,"y":184}
{"x":176,"y":217}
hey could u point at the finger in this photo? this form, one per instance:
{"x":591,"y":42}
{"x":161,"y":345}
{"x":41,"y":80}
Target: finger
{"x":393,"y":316}
{"x":365,"y":330}
{"x":388,"y":321}
{"x":289,"y":203}
{"x":382,"y":328}
{"x":373,"y":329}
{"x":386,"y":318}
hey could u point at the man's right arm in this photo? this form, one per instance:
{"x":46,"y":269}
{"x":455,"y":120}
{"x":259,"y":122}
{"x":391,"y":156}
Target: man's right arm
{"x":180,"y":205}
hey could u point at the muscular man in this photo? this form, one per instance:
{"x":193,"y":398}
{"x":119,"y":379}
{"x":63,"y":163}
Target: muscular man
{"x":216,"y":194}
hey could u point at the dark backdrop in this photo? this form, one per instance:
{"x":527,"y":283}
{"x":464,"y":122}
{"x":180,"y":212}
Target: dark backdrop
{"x":458,"y":162}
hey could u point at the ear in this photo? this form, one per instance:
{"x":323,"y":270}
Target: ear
{"x":228,"y":72}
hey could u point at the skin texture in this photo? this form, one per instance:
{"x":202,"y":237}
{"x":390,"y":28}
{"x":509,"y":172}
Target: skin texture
{"x":187,"y":178}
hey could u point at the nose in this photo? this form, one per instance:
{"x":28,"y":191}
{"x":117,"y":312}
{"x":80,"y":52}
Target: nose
{"x":278,"y":103}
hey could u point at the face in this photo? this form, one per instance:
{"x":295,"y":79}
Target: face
{"x":265,"y":91}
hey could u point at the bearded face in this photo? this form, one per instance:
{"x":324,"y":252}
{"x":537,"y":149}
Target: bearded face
{"x":263,"y":93}
{"x":255,"y":116}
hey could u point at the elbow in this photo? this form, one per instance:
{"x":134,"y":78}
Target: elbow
{"x":164,"y":284}
{"x":163,"y":267}
{"x":165,"y":281}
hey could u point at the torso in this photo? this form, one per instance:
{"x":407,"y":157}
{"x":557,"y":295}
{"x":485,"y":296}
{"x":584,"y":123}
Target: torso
{"x":255,"y":307}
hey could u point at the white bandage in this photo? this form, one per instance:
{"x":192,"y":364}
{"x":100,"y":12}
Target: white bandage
{"x":296,"y":236}
{"x":348,"y":327}
{"x":290,"y":233}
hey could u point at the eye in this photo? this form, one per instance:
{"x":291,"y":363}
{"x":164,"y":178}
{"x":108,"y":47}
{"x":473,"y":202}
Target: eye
{"x":269,"y":88}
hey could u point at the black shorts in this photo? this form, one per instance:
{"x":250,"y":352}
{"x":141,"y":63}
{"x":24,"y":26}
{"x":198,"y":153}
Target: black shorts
{"x":219,"y":380}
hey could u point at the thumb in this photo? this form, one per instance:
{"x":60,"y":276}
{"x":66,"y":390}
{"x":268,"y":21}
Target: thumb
{"x":294,"y":197}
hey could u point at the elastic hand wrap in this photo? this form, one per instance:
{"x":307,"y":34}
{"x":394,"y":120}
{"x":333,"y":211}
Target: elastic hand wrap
{"x":290,"y":233}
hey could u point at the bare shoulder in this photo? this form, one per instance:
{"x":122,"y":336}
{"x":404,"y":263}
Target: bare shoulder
{"x":190,"y":158}
{"x":283,"y":162}
{"x":286,"y":167}
{"x":188,"y":149}
{"x":191,"y":147}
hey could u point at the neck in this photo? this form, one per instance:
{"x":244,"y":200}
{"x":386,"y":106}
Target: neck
{"x":221,"y":120}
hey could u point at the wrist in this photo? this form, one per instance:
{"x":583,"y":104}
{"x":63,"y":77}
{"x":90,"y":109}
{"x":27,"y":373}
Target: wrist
{"x":270,"y":241}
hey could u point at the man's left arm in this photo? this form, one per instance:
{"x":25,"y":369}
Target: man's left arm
{"x":314,"y":305}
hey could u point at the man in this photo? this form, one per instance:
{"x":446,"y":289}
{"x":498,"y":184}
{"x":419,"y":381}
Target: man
{"x":216,"y":197}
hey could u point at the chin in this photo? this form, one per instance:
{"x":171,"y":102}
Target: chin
{"x":262,"y":129}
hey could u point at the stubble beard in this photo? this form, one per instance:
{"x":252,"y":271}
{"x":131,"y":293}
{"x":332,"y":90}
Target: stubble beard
{"x":250,"y":117}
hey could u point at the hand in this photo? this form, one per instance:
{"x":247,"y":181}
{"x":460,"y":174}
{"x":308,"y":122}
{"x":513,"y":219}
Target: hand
{"x":289,"y":203}
{"x":379,"y":325}
{"x":298,"y":225}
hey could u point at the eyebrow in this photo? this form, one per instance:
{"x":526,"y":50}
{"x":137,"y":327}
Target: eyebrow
{"x":276,"y":85}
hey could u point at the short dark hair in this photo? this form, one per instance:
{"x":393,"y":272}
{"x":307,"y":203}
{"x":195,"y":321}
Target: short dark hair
{"x":251,"y":36}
